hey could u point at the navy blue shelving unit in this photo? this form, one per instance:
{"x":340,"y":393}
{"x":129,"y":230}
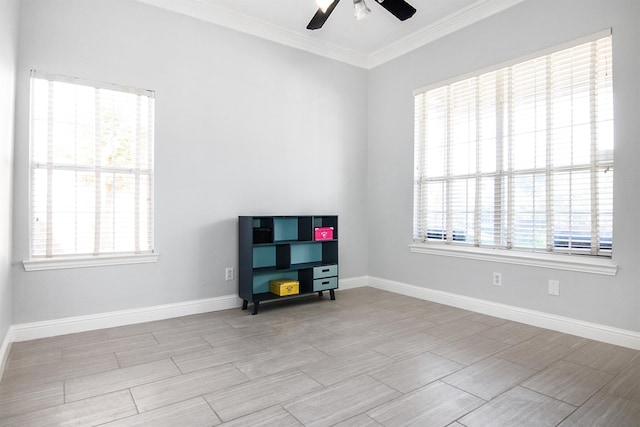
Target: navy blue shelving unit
{"x":278,"y":247}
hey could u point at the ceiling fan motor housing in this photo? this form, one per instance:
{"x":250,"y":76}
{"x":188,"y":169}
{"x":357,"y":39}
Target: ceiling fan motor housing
{"x":398,"y":8}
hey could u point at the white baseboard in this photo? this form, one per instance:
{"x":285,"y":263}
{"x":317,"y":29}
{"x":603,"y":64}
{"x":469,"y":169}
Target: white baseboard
{"x":69,"y":325}
{"x":5,"y":347}
{"x":352,"y":282}
{"x":49,"y":328}
{"x":594,"y":331}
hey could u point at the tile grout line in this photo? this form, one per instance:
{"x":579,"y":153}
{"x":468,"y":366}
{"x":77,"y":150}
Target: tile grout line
{"x":212,"y":409}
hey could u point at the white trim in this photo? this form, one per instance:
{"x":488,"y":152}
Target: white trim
{"x":91,"y":261}
{"x":209,"y":12}
{"x":69,"y":325}
{"x":5,"y":348}
{"x":449,"y":24}
{"x":577,"y":263}
{"x":594,"y":331}
{"x":352,"y":283}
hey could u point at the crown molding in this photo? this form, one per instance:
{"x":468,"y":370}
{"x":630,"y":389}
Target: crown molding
{"x":449,"y":24}
{"x":205,"y":11}
{"x":208,"y":12}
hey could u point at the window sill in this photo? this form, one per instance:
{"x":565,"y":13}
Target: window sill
{"x":582,"y":264}
{"x":89,"y":261}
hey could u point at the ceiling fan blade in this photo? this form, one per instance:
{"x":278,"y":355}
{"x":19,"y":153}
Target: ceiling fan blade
{"x":321,"y":17}
{"x":398,"y":8}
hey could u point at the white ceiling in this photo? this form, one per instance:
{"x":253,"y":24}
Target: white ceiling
{"x":367,"y":43}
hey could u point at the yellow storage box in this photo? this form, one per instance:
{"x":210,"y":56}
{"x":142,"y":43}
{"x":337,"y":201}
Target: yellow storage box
{"x":284,"y":287}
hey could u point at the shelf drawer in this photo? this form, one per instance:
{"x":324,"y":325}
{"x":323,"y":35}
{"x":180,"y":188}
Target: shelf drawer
{"x":324,"y":284}
{"x":325,"y":271}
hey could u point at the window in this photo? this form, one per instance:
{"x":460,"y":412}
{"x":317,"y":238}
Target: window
{"x":520,"y":157}
{"x":91,"y":168}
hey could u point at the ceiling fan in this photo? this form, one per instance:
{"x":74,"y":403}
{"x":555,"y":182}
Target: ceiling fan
{"x":398,"y":8}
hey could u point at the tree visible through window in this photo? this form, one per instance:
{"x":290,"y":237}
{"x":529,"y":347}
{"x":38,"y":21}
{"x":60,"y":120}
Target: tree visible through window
{"x":91,"y":168}
{"x":520,"y":157}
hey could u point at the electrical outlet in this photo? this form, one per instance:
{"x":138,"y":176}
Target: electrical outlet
{"x":554,"y":287}
{"x":228,"y":273}
{"x":497,"y":279}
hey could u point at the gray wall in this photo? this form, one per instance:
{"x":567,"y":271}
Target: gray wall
{"x":243,"y":127}
{"x":526,"y":28}
{"x":8,"y":59}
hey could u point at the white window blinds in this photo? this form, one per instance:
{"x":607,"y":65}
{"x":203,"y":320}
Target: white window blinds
{"x":91,"y":168}
{"x":520,"y":157}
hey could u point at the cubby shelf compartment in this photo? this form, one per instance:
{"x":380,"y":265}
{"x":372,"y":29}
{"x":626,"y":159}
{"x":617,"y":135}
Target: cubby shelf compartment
{"x":277,"y":247}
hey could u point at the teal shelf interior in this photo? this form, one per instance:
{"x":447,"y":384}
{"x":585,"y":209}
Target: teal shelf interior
{"x":306,"y":253}
{"x":285,"y":229}
{"x":264,"y":256}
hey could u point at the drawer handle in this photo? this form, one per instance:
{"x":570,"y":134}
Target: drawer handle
{"x":326,"y":283}
{"x":325,"y":270}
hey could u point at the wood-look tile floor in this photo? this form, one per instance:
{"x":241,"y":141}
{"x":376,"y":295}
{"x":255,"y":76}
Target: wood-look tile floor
{"x":369,"y":358}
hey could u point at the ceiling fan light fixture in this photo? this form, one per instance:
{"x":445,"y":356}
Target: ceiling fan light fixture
{"x":360,"y":8}
{"x":398,"y":8}
{"x":323,"y":5}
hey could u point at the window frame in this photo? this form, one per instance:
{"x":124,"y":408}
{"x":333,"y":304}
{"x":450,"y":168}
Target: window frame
{"x":522,"y":256}
{"x":101,"y":258}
